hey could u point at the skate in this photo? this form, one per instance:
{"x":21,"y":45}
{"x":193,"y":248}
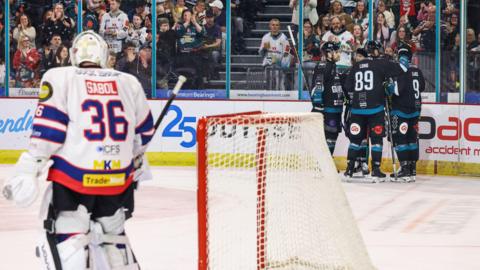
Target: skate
{"x":413,"y":171}
{"x":403,"y":175}
{"x":348,"y":174}
{"x":361,"y":170}
{"x":377,"y":175}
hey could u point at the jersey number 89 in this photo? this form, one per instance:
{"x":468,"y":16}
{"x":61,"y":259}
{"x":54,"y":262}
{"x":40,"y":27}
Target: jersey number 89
{"x":364,"y":80}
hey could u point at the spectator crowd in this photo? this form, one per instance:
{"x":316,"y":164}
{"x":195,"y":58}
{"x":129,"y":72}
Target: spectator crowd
{"x":191,"y":35}
{"x":190,"y":38}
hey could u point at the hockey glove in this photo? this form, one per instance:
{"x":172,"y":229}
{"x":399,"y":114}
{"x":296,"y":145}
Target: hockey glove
{"x":317,"y":98}
{"x":23,"y":188}
{"x":404,"y":63}
{"x":389,"y":87}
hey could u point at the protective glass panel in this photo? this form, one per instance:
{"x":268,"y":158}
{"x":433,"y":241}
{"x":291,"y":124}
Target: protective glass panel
{"x":472,"y":82}
{"x":2,"y":49}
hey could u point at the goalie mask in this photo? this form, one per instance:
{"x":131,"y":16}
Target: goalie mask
{"x":88,"y":46}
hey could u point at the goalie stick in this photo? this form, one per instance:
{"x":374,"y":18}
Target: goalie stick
{"x":7,"y":190}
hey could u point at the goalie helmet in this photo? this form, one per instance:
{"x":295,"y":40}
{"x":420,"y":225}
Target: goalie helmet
{"x":88,"y":46}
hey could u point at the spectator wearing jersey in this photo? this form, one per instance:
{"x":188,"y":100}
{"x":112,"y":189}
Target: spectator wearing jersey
{"x":24,"y":29}
{"x":311,"y":46}
{"x":137,"y":33}
{"x":114,"y":26}
{"x":275,"y":50}
{"x":339,"y":34}
{"x":190,"y":38}
{"x":60,"y":24}
{"x":26,"y":61}
{"x":90,"y":18}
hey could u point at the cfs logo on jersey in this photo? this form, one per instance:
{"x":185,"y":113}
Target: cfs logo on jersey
{"x":110,"y":150}
{"x":107,"y":88}
{"x":107,"y":165}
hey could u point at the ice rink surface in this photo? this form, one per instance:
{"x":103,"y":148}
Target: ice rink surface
{"x":432,"y":224}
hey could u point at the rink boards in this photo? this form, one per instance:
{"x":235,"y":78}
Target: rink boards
{"x":449,"y":133}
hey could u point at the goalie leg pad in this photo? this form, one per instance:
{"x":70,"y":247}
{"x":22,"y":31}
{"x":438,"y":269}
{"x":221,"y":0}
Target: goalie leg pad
{"x":66,"y":248}
{"x":115,"y":243}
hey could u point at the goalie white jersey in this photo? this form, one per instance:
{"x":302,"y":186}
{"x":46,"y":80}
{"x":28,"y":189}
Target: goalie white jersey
{"x":91,"y":122}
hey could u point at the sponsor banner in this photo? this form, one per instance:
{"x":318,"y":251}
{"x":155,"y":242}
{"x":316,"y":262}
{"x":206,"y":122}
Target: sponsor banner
{"x":2,"y":91}
{"x":450,"y":133}
{"x":194,"y":94}
{"x":447,"y":132}
{"x":23,"y":92}
{"x":264,"y":94}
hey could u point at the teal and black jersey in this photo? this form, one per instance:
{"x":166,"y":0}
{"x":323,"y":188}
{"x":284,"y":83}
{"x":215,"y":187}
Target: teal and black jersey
{"x":408,"y":88}
{"x":365,"y":81}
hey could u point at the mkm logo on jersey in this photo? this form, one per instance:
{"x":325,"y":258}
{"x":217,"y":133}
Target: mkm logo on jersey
{"x":107,"y":164}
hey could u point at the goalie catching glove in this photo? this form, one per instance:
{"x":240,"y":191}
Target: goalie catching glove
{"x":23,"y":187}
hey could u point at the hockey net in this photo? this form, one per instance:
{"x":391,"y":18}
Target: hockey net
{"x":269,"y":196}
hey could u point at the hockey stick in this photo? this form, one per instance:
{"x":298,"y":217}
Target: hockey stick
{"x":292,"y":39}
{"x":181,"y":80}
{"x":7,"y":190}
{"x":390,"y":136}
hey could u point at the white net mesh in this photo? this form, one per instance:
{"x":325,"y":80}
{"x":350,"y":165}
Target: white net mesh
{"x":273,"y":198}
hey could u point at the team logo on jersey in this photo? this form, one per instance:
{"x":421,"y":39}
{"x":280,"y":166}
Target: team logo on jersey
{"x":355,"y":129}
{"x":378,"y":129}
{"x":403,"y":128}
{"x":106,"y":88}
{"x":46,"y":92}
{"x":106,"y":165}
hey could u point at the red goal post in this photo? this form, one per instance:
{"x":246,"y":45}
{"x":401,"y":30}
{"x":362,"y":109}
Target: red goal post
{"x":269,"y":196}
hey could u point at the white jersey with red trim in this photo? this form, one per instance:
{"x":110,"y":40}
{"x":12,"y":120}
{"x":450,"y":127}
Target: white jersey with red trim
{"x":92,"y":123}
{"x":114,"y":29}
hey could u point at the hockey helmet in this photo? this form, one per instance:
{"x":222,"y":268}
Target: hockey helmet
{"x":88,"y":46}
{"x":330,"y":46}
{"x":362,"y":52}
{"x":405,"y":51}
{"x":373,"y":45}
